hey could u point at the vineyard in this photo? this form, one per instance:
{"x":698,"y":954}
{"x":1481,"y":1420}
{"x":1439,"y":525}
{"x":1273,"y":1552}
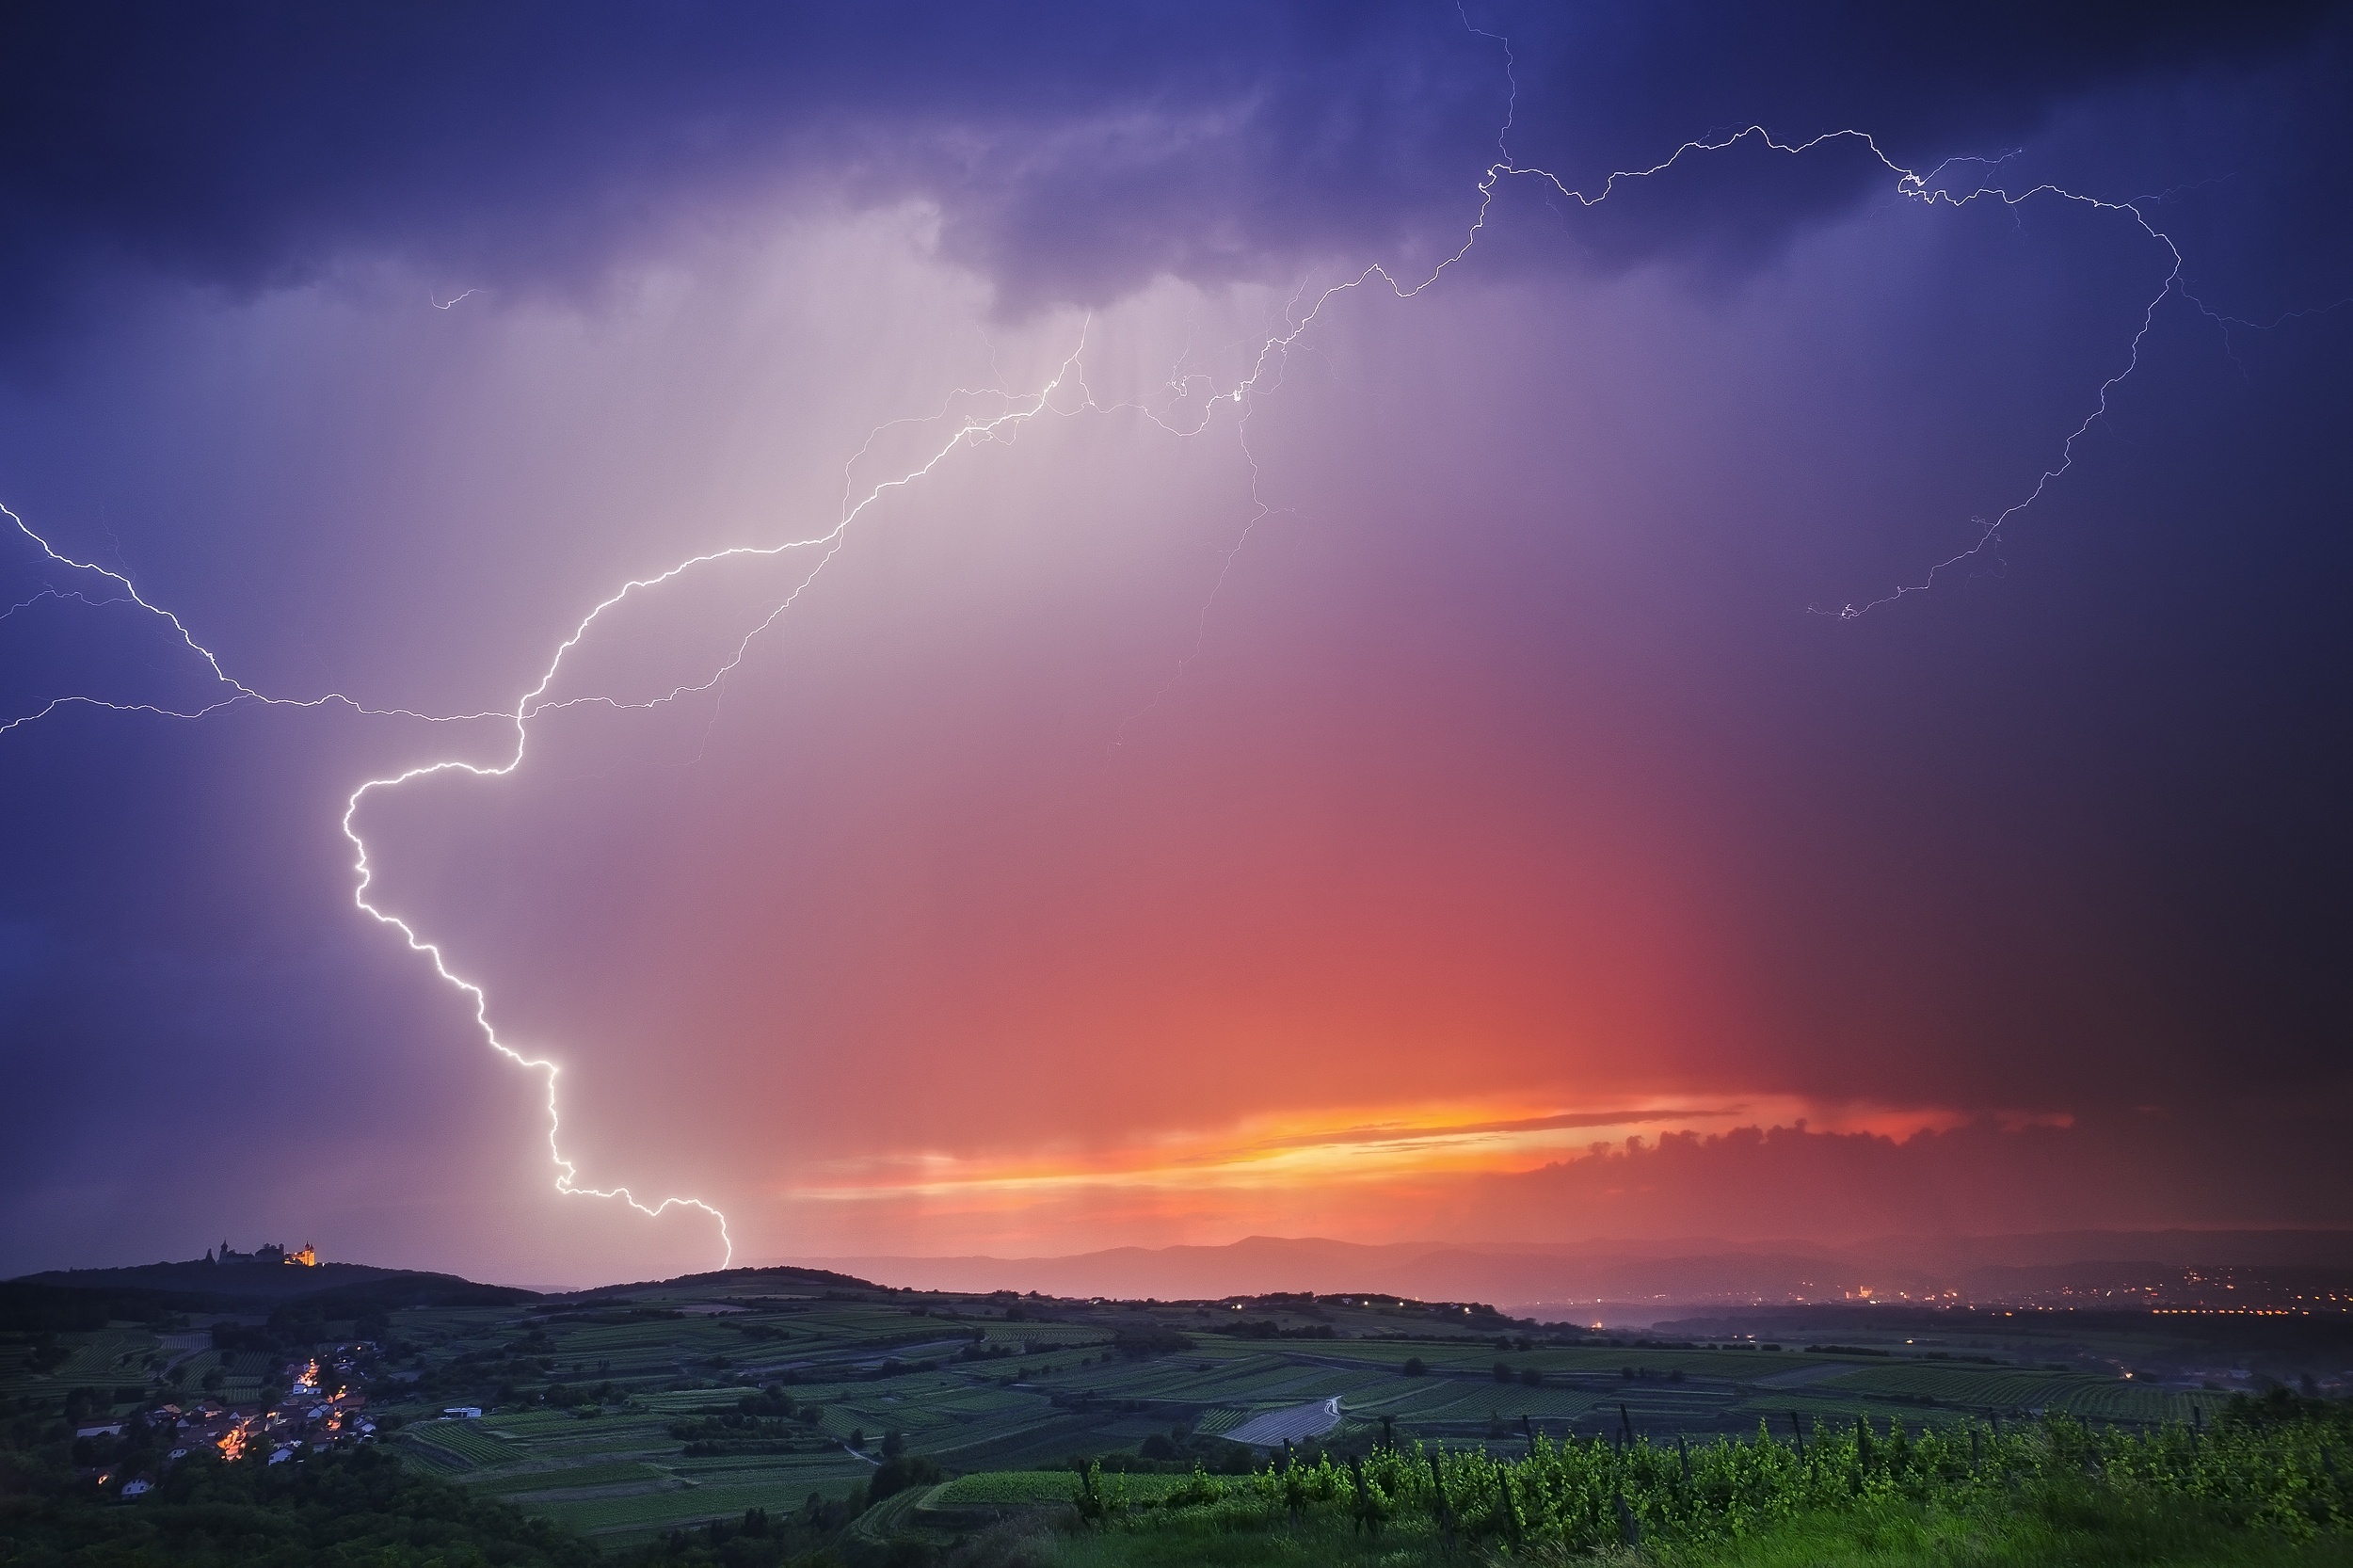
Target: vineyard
{"x":467,"y":1441}
{"x":631,"y":1415}
{"x":580,"y":1479}
{"x":1979,"y":1388}
{"x":111,"y":1356}
{"x":2130,"y":1402}
{"x":1000,"y":1400}
{"x":1593,"y":1494}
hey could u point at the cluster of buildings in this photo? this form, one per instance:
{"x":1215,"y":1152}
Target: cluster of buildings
{"x":308,"y":1417}
{"x":307,"y":1257}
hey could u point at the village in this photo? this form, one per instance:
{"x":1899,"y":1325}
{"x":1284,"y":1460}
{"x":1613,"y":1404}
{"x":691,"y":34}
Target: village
{"x":324,"y":1406}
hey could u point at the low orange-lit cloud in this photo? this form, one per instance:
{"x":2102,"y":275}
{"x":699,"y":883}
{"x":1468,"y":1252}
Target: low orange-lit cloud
{"x":1361,"y":1147}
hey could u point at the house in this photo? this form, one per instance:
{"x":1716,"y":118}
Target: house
{"x":139,"y":1487}
{"x":464,"y":1412}
{"x":115,"y":1429}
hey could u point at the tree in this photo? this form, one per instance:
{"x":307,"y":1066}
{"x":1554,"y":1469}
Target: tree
{"x":1150,"y":1340}
{"x":894,"y":1443}
{"x":896,"y":1475}
{"x":1413,"y":1368}
{"x":1503,"y":1372}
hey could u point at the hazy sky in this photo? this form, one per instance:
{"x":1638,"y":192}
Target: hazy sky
{"x":1397,"y":774}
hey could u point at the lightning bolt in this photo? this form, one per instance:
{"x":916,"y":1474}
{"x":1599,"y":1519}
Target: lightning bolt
{"x":1063,"y":395}
{"x":236,"y":691}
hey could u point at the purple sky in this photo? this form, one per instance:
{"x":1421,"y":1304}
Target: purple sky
{"x":1355,"y":788}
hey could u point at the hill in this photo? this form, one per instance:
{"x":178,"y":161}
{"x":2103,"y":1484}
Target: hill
{"x":65,"y":1299}
{"x":783,"y":1277}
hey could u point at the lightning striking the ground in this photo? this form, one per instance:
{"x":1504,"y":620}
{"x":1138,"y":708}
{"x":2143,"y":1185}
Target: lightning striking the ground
{"x":1190,"y":409}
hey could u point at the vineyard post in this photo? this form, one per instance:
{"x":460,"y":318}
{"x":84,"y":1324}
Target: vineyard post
{"x":1799,"y":1427}
{"x":1437,"y":1493}
{"x":1682,"y":1450}
{"x":1629,"y":1527}
{"x":1627,"y":1422}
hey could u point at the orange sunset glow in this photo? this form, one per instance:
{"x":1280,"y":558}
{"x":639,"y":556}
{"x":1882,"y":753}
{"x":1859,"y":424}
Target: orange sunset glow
{"x":1158,"y":648}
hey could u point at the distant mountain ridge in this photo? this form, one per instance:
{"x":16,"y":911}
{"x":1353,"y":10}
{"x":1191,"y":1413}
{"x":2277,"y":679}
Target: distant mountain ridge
{"x":1554,"y":1280}
{"x":1668,"y":1272}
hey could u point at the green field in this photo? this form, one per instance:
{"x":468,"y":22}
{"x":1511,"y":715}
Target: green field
{"x":1040,"y":1488}
{"x":1003,"y":1402}
{"x":628,"y":1414}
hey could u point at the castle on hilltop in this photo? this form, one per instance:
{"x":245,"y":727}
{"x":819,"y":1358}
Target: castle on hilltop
{"x":307,"y":1257}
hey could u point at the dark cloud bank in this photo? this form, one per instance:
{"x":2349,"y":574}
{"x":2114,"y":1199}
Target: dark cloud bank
{"x":1073,"y":150}
{"x":2158,"y":708}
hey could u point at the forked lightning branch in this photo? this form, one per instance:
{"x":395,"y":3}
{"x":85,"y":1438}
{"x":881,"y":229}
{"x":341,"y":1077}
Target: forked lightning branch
{"x":1065,"y":395}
